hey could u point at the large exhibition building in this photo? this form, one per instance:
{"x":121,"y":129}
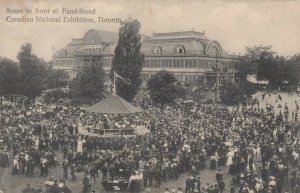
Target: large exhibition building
{"x":190,"y":55}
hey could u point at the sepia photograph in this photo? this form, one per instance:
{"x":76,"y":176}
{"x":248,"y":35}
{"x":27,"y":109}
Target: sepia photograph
{"x":140,"y":96}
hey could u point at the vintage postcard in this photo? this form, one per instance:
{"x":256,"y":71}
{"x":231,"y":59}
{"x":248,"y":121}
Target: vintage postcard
{"x":162,"y":96}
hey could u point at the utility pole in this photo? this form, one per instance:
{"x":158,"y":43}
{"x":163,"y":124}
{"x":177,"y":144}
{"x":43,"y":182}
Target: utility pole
{"x":217,"y":79}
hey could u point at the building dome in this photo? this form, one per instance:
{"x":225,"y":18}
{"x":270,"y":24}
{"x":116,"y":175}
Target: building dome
{"x":93,"y":37}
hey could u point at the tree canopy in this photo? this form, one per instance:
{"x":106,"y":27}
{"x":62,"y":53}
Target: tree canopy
{"x":292,"y":74}
{"x":8,"y":77}
{"x":32,"y":75}
{"x":88,"y":86}
{"x":57,"y":78}
{"x":164,"y":88}
{"x":246,"y":66}
{"x":267,"y":65}
{"x":234,"y":94}
{"x":128,"y":59}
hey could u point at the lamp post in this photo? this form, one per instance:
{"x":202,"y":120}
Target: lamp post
{"x":216,"y":69}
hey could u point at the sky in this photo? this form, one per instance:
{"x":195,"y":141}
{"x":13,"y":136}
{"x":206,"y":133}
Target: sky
{"x":235,"y":24}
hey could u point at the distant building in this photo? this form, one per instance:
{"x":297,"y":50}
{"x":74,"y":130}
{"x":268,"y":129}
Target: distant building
{"x":189,"y":55}
{"x":96,"y":47}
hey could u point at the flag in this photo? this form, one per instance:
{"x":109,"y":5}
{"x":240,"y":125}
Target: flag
{"x":125,"y":80}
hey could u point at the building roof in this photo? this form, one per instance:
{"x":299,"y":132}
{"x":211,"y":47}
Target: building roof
{"x":99,"y":36}
{"x":65,"y":52}
{"x":75,"y":42}
{"x":192,"y":42}
{"x":113,"y":104}
{"x":179,"y":35}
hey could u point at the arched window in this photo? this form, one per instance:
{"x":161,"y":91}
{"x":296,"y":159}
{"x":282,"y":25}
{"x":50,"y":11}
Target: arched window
{"x":156,"y":50}
{"x":153,"y":50}
{"x":179,"y":50}
{"x":213,"y":51}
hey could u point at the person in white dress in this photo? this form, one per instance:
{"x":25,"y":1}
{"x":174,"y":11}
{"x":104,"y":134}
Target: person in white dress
{"x":36,"y":143}
{"x":79,"y":146}
{"x":258,"y":153}
{"x":295,"y":158}
{"x":15,"y":166}
{"x":230,"y":155}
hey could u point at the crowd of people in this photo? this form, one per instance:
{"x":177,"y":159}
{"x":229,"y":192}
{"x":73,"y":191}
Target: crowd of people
{"x":259,"y":148}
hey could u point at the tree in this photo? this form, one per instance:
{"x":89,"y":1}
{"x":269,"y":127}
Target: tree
{"x":234,"y":94}
{"x":8,"y":77}
{"x":198,"y":94}
{"x":231,"y":94}
{"x":263,"y":62}
{"x":248,"y":89}
{"x":32,"y":74}
{"x":269,"y":66}
{"x":128,"y":59}
{"x":164,"y":88}
{"x":292,"y":71}
{"x":246,"y":66}
{"x":88,"y":86}
{"x":57,"y":78}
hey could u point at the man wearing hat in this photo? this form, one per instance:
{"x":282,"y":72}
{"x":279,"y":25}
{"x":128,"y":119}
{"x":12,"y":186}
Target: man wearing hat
{"x":293,"y":181}
{"x":221,"y":185}
{"x":189,"y":184}
{"x":73,"y":172}
{"x":86,"y":184}
{"x":272,"y":184}
{"x":196,"y":185}
{"x":219,"y":175}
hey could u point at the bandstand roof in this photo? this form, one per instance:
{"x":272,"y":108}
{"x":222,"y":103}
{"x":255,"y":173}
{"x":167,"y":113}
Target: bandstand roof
{"x":113,"y":105}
